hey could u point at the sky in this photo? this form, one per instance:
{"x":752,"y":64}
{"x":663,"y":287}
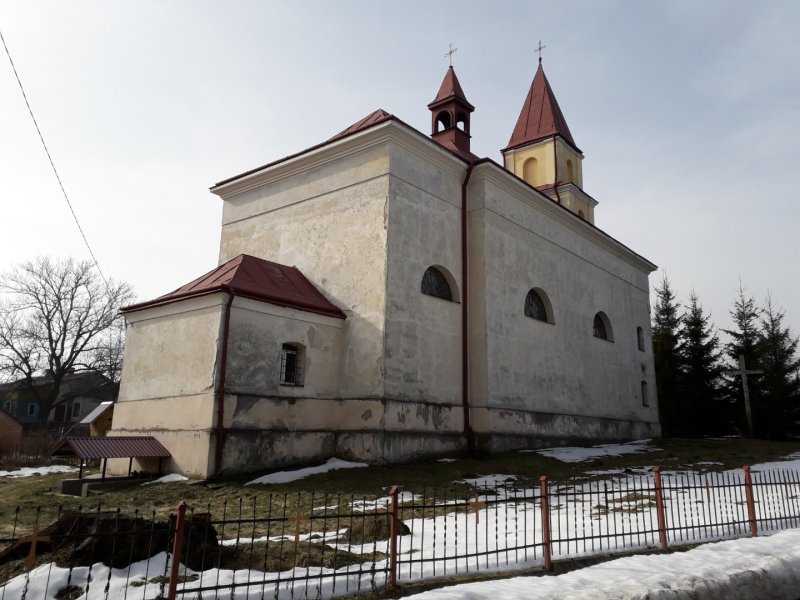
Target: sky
{"x":688,"y":114}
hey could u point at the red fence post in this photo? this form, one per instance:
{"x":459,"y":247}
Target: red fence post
{"x":751,"y":505}
{"x":546,"y":541}
{"x":662,"y":517}
{"x":177,"y":548}
{"x":393,"y":493}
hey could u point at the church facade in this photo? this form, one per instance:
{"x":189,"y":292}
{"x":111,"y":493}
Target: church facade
{"x":387,"y":295}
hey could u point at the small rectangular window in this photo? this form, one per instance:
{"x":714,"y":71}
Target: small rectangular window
{"x":291,"y":365}
{"x":32,"y":409}
{"x":645,"y":399}
{"x":76,"y":410}
{"x":7,"y":407}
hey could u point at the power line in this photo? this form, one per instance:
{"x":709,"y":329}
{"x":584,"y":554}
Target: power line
{"x":52,"y":164}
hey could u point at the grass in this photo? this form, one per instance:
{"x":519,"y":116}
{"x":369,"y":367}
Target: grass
{"x":37,"y":497}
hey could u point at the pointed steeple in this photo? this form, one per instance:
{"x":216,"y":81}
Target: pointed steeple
{"x":450,"y":115}
{"x":541,"y":116}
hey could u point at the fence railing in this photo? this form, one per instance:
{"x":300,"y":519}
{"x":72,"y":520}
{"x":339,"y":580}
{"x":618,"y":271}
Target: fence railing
{"x":324,"y":545}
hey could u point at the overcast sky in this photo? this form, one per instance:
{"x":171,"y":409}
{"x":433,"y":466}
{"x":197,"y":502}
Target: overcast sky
{"x":688,"y":114}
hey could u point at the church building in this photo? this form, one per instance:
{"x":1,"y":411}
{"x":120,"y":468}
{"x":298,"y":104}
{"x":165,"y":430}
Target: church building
{"x":387,"y":295}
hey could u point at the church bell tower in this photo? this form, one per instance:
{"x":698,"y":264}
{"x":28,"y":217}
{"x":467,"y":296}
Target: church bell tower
{"x":450,"y":114}
{"x":543,"y":153}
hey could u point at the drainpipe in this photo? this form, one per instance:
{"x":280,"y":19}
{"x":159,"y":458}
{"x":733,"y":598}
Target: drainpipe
{"x":219,"y":391}
{"x":468,"y":433}
{"x":555,"y":169}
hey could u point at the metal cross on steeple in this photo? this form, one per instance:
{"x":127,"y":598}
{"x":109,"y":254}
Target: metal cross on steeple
{"x":539,"y":50}
{"x":744,"y":372}
{"x":450,"y":52}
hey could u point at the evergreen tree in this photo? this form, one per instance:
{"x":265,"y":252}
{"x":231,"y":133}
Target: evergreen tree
{"x":777,"y":413}
{"x":701,"y":370}
{"x":666,"y":324}
{"x":744,"y":340}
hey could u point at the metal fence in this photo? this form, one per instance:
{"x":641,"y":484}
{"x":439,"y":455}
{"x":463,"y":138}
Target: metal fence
{"x":325,"y":545}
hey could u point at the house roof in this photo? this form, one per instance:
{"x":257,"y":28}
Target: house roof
{"x":112,"y":447}
{"x":97,"y":412}
{"x":10,"y":416}
{"x":450,"y":90}
{"x":540,"y":117}
{"x":254,"y":278}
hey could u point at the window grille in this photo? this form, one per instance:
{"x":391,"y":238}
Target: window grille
{"x":291,"y":363}
{"x":435,"y":284}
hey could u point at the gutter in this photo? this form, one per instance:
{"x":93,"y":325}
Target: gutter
{"x":468,"y":433}
{"x":219,"y":387}
{"x":555,"y":169}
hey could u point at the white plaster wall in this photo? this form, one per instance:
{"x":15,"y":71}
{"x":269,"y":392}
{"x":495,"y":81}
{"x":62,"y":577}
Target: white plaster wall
{"x":560,"y":368}
{"x":171,"y":350}
{"x":257,"y":332}
{"x":330,"y":222}
{"x":423,"y":333}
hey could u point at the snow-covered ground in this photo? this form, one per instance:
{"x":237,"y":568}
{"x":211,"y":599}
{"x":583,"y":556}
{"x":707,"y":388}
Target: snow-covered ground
{"x":578,"y":454}
{"x":743,"y":569}
{"x":29,"y":471}
{"x":171,"y":478}
{"x":501,"y":529}
{"x":287,"y":476}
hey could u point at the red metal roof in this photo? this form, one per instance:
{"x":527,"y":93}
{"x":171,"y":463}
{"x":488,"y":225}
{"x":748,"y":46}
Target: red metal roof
{"x":112,"y":447}
{"x":541,"y":116}
{"x":373,"y":118}
{"x":450,"y":89}
{"x":255,"y":278}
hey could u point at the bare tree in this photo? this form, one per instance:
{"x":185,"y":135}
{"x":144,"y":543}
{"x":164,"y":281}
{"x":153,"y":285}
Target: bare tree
{"x":54,"y":319}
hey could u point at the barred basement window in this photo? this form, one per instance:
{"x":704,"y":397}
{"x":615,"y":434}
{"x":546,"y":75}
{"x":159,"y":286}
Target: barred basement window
{"x":434,"y":283}
{"x":291,"y":364}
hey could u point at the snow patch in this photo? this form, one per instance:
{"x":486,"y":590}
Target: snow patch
{"x":29,"y":471}
{"x":171,"y":478}
{"x":287,"y":476}
{"x":576,"y":454}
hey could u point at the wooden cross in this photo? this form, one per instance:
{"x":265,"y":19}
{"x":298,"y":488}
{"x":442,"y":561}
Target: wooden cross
{"x":477,"y":505}
{"x":744,"y":372}
{"x":539,"y":50}
{"x":30,"y":562}
{"x":297,"y":519}
{"x":450,"y":52}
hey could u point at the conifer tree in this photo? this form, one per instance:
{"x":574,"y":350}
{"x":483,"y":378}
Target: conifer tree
{"x":744,"y":339}
{"x":698,"y":386}
{"x":666,"y":324}
{"x":777,"y":414}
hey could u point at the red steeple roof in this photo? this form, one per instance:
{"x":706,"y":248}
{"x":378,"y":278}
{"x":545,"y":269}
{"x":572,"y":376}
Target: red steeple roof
{"x":541,"y":116}
{"x":450,"y":89}
{"x":253,"y":278}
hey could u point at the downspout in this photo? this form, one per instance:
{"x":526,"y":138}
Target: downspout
{"x":219,"y":391}
{"x":555,"y":170}
{"x":468,"y":433}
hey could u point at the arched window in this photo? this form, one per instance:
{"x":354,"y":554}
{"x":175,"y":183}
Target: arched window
{"x":537,"y":306}
{"x":292,"y":357}
{"x":443,"y":119}
{"x":581,"y":214}
{"x":602,"y":327}
{"x":434,"y":283}
{"x":462,"y":122}
{"x":640,"y":338}
{"x":570,"y":171}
